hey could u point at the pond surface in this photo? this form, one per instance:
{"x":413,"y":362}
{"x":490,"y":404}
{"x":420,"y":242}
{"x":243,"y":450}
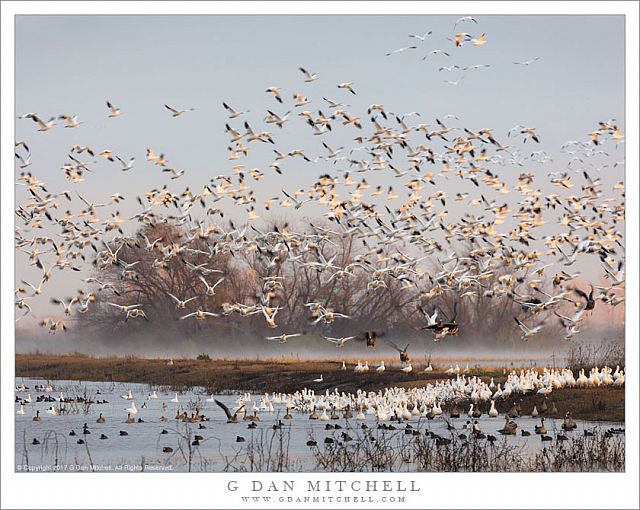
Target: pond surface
{"x":218,"y":449}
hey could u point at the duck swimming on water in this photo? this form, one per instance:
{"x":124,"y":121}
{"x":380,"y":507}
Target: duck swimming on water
{"x":541,"y":429}
{"x":509,"y":428}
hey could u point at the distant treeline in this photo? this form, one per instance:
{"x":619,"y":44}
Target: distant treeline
{"x":486,"y":318}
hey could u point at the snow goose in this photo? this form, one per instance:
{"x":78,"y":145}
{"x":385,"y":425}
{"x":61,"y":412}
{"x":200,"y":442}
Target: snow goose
{"x":175,"y":112}
{"x":233,"y":113}
{"x":276,"y":93}
{"x":347,"y":86}
{"x":527,"y":331}
{"x":113,"y":111}
{"x":309,"y":77}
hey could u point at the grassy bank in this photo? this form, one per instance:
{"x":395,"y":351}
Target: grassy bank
{"x":218,"y":376}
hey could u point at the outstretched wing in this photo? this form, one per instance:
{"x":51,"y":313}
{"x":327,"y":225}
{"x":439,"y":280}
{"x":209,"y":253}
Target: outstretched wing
{"x":363,"y":336}
{"x":225,"y":409}
{"x":394,"y":346}
{"x":580,"y":293}
{"x":455,"y":312}
{"x":521,"y":325}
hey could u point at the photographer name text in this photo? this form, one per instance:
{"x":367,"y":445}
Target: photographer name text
{"x":325,"y":486}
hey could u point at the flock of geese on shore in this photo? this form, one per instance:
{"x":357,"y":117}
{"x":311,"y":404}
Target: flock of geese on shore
{"x":432,"y":161}
{"x":442,"y":399}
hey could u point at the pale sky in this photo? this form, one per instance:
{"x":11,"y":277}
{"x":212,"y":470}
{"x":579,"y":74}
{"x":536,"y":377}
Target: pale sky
{"x":73,"y":64}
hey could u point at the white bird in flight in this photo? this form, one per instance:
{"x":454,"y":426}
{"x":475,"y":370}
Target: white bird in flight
{"x":24,"y":163}
{"x":347,"y":86}
{"x":113,"y":111}
{"x":528,"y":62}
{"x":126,"y":166}
{"x":464,"y":19}
{"x":421,"y":37}
{"x":401,"y":50}
{"x":233,"y":113}
{"x":339,"y":342}
{"x":211,"y":289}
{"x":309,"y":77}
{"x":435,"y":52}
{"x":527,"y":331}
{"x":284,"y":337}
{"x":181,"y":303}
{"x":457,"y":82}
{"x":175,"y":112}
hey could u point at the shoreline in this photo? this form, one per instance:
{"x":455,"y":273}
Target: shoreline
{"x":604,"y":403}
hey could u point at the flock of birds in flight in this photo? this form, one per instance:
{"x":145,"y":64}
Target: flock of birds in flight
{"x":431,"y":161}
{"x":459,"y":39}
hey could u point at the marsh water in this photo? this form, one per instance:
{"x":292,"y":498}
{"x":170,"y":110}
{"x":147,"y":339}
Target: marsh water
{"x":142,"y":446}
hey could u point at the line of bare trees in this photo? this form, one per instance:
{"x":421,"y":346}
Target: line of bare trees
{"x":484,"y":320}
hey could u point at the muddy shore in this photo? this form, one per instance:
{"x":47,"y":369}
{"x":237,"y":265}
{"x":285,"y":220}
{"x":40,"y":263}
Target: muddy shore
{"x":221,"y":375}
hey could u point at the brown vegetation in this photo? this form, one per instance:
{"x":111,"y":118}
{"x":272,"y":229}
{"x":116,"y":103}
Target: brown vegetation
{"x":220,"y":375}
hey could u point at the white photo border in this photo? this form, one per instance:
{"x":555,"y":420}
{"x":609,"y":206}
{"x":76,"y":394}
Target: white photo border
{"x":438,"y":490}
